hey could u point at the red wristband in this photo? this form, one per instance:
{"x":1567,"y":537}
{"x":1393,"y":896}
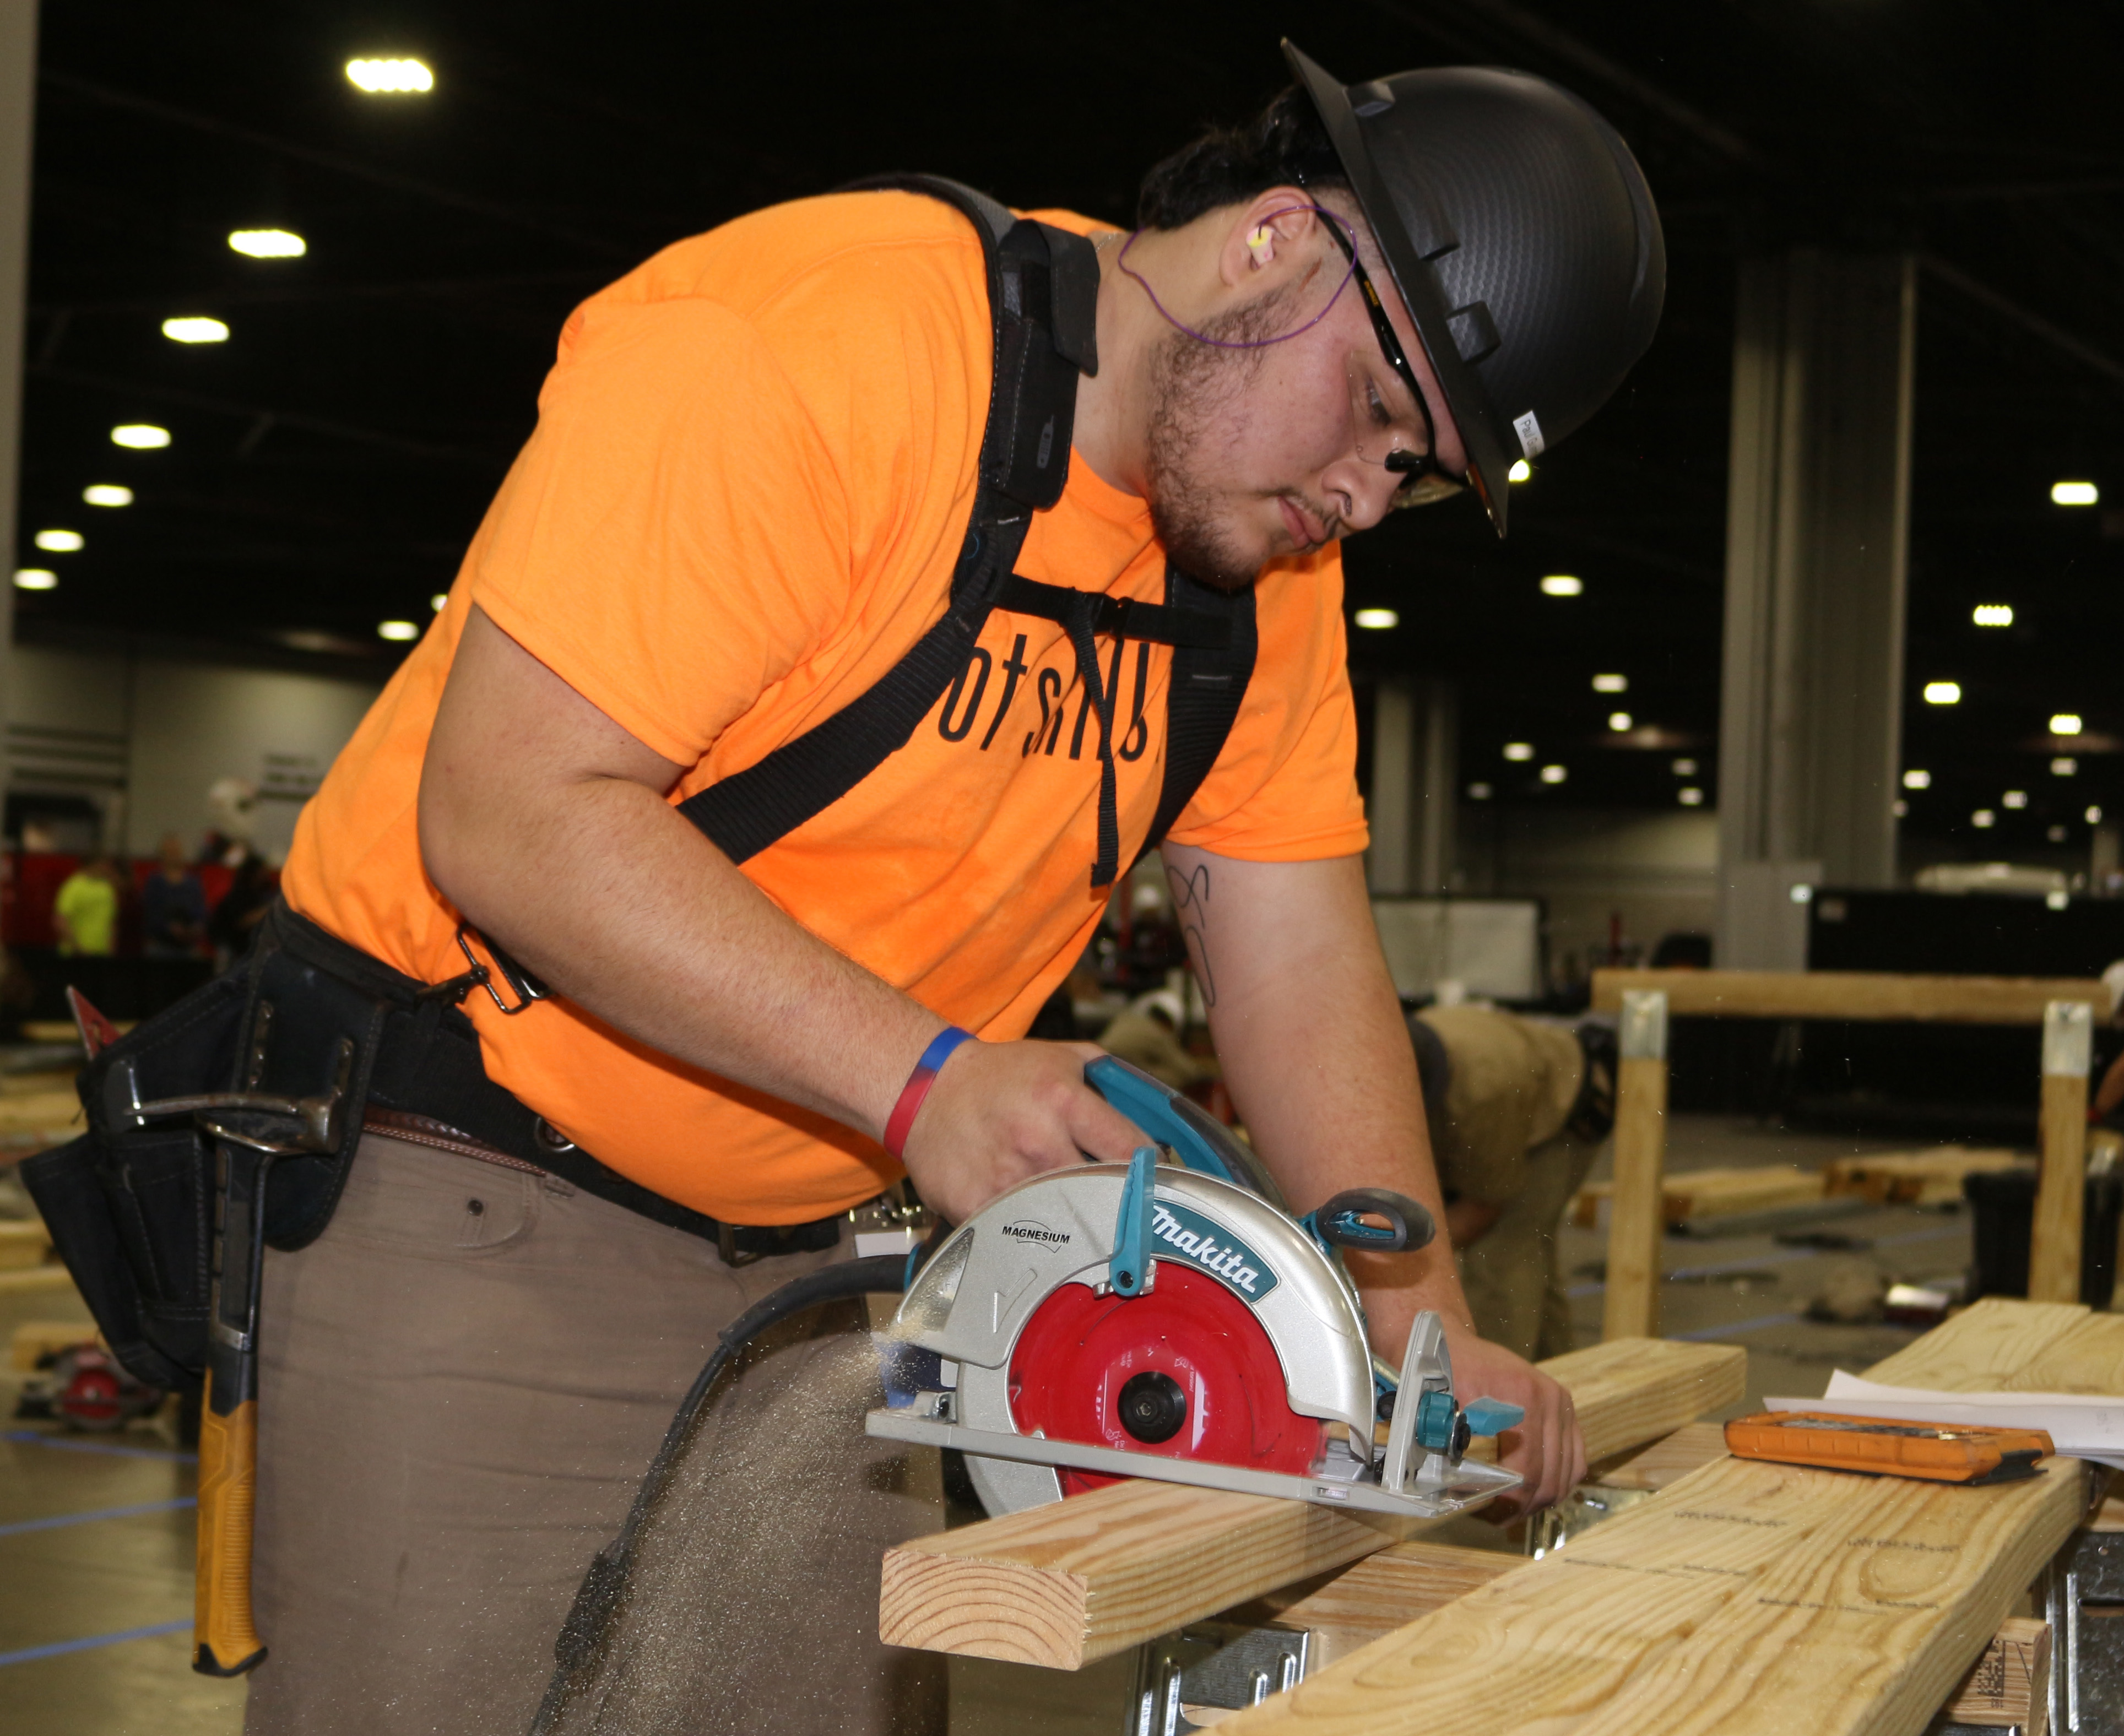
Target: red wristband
{"x":900,"y":1122}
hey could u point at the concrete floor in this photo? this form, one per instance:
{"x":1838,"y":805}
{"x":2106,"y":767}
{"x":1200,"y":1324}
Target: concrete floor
{"x":96,"y":1532}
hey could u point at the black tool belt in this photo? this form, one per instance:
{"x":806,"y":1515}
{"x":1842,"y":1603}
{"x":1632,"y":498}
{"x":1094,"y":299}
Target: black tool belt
{"x":307,"y":1045}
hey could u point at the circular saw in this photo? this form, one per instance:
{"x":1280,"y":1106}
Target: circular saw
{"x":1169,"y":1318}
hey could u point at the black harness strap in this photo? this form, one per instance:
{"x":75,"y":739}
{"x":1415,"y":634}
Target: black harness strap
{"x":1043,"y":293}
{"x":1203,"y":703}
{"x":1043,"y":297}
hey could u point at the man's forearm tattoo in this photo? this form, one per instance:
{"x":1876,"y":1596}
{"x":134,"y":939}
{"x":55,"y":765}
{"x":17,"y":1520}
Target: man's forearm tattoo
{"x":1191,"y":910}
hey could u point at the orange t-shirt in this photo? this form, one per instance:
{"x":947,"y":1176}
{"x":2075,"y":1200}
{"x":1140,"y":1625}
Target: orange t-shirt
{"x":752,"y":471}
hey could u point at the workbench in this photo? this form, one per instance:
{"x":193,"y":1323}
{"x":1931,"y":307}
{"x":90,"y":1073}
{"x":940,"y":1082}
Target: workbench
{"x":1723,"y":1595}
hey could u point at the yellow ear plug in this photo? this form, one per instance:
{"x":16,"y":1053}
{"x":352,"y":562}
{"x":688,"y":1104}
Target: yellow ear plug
{"x":1258,"y":244}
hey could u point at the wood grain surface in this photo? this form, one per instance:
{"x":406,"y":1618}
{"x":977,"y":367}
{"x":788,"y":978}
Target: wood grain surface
{"x":1850,"y":994}
{"x":1748,"y":1598}
{"x":1384,"y":1592}
{"x":1929,"y":1177}
{"x":2054,"y":1246}
{"x":1665,"y":1462}
{"x":1630,"y":1306}
{"x":1066,"y":1585}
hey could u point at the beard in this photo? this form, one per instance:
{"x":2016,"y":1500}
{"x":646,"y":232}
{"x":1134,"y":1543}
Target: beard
{"x":1196,"y":393}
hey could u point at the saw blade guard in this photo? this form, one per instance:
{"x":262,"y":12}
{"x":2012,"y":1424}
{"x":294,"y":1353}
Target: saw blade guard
{"x":973,"y":1301}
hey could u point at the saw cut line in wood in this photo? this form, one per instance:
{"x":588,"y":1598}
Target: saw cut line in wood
{"x":1065,"y":1584}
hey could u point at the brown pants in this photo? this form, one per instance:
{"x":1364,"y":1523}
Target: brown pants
{"x":1512,"y":1276}
{"x":461,"y":1383}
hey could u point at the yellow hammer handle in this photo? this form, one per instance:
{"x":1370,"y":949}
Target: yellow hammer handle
{"x":226,"y":1642}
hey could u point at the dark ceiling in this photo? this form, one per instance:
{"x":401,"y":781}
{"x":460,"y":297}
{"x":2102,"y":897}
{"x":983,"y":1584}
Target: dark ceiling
{"x":329,"y":461}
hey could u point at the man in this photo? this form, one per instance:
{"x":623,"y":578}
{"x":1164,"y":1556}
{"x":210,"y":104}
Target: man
{"x":1146,"y":1034}
{"x":85,"y":912}
{"x":743,"y":504}
{"x":1517,"y":1109}
{"x":173,"y":906}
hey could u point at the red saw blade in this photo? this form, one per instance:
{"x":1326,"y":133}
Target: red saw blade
{"x":1185,"y":1373}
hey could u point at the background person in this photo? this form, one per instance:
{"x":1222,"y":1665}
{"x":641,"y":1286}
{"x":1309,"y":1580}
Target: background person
{"x":1518,"y":1109}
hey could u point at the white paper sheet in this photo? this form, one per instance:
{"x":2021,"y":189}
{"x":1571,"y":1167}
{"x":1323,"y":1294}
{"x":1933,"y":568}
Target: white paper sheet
{"x":2082,"y":1426}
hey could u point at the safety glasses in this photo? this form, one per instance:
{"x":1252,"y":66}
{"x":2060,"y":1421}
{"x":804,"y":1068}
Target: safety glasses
{"x":1424,"y":480}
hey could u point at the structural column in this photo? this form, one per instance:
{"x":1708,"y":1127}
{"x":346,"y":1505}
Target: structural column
{"x":1816,"y":546}
{"x":18,"y":88}
{"x":1415,"y":794}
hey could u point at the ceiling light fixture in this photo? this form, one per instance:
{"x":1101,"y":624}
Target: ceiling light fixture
{"x":1942,"y":692}
{"x":1378,"y":620}
{"x":1561,"y":584}
{"x":2058,"y":900}
{"x":2066,"y":723}
{"x":60,"y":542}
{"x":2056,"y":834}
{"x":1899,"y":808}
{"x":1518,"y":750}
{"x":1917,"y":779}
{"x":1619,"y":722}
{"x":1611,"y":683}
{"x":1983,"y":817}
{"x":1684,"y":768}
{"x":107,"y":494}
{"x":1993,"y":614}
{"x":1690,"y":796}
{"x":2074,"y":494}
{"x":2093,"y":816}
{"x":268,"y":243}
{"x":2063,"y":767}
{"x":397,"y":77}
{"x":140,"y":436}
{"x":35,"y":579}
{"x":195,"y":328}
{"x":1520,"y":471}
{"x":2015,"y":799}
{"x":397,"y":630}
{"x":1478,"y":792}
{"x":1553,"y":774}
{"x":438,"y":601}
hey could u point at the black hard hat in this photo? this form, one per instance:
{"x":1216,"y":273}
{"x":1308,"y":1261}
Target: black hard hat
{"x":1521,"y":235}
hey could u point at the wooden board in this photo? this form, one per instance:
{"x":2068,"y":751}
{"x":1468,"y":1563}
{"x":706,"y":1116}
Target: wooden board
{"x":1629,"y":1305}
{"x":1848,"y":994}
{"x":1665,"y":1462}
{"x":1929,"y":1177}
{"x":1716,"y":1192}
{"x":1384,"y":1592}
{"x":2010,"y":1684}
{"x":2054,"y":1245}
{"x":1066,"y":1585}
{"x":1748,"y":1598}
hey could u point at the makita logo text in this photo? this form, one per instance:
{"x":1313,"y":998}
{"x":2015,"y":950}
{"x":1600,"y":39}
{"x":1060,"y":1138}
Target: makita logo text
{"x":1039,"y":1233}
{"x":1230,"y":1260}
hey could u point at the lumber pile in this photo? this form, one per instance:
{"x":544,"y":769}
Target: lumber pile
{"x":1929,"y":1177}
{"x":1751,"y":1598}
{"x":1714,"y":1193}
{"x":1066,"y":1585}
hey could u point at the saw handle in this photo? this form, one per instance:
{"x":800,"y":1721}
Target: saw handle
{"x":1340,"y":1222}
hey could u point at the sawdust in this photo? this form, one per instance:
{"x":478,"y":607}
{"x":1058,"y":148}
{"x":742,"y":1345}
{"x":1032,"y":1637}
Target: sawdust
{"x":753,"y":1606}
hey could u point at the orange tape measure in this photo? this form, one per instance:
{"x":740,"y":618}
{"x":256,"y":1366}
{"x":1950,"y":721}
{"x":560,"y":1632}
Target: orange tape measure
{"x":1883,"y":1446}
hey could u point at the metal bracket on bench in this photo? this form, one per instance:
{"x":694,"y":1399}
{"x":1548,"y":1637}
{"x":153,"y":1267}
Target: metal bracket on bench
{"x":1224,"y":1665}
{"x":2083,"y":1602}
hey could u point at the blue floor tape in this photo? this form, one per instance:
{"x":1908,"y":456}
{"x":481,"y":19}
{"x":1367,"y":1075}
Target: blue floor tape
{"x":64,"y":1443}
{"x":60,"y":1648}
{"x":20,"y":1526}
